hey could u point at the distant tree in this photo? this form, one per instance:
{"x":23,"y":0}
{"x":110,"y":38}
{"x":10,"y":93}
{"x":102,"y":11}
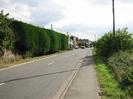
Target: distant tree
{"x":6,"y":33}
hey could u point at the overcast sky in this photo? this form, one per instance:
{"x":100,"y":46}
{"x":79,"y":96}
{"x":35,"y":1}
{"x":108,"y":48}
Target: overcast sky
{"x":82,"y":18}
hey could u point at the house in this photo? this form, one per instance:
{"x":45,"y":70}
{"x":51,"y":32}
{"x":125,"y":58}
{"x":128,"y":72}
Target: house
{"x":73,"y":42}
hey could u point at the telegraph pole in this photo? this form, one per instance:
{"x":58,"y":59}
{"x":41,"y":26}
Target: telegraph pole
{"x":69,"y":39}
{"x":51,"y":27}
{"x":95,"y":37}
{"x":67,"y":34}
{"x":113,"y":11}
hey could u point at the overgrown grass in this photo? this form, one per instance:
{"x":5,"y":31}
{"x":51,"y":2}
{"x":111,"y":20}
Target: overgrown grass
{"x":108,"y":85}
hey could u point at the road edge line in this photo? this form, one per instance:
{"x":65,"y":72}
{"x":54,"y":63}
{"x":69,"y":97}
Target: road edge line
{"x":29,"y":62}
{"x":64,"y":88}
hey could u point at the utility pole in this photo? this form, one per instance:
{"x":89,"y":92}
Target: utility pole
{"x":113,"y":11}
{"x":95,"y":37}
{"x":69,"y":40}
{"x":67,"y":34}
{"x":51,"y":27}
{"x":84,"y":40}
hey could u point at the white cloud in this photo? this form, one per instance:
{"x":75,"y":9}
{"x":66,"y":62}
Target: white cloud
{"x":124,"y":12}
{"x":36,"y":12}
{"x":82,"y":12}
{"x":75,"y":16}
{"x":95,"y":14}
{"x":17,"y":10}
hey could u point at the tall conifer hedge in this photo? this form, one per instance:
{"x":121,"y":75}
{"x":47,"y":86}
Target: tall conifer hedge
{"x":36,"y":40}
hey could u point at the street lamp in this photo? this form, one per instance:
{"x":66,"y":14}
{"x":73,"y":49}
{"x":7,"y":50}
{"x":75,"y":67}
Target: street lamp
{"x":113,"y":10}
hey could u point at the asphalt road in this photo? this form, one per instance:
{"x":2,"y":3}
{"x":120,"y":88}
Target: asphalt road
{"x":39,"y":80}
{"x":85,"y":85}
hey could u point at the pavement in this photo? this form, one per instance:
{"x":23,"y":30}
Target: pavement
{"x":43,"y":79}
{"x":85,"y":85}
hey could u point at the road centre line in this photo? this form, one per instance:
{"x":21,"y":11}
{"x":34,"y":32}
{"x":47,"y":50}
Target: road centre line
{"x":51,"y":63}
{"x":66,"y":56}
{"x":2,"y":84}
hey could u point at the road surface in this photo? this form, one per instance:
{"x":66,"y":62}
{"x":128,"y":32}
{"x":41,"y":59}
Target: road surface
{"x":41,"y":79}
{"x":85,"y":85}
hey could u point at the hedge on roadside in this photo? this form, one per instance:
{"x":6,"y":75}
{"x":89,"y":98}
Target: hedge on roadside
{"x":64,"y":41}
{"x":117,"y":52}
{"x":36,"y":40}
{"x":54,"y":46}
{"x":110,"y":43}
{"x":109,"y":87}
{"x":44,"y":42}
{"x":121,"y":65}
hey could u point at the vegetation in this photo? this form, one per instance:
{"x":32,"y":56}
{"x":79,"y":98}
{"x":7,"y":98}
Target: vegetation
{"x":55,"y":44}
{"x":36,"y":40}
{"x":116,"y":50}
{"x":28,"y":40}
{"x":6,"y":34}
{"x":109,"y":87}
{"x":64,"y":40}
{"x":110,"y":43}
{"x":121,"y":64}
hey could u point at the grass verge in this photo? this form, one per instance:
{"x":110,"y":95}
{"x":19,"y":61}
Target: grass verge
{"x":28,"y":59}
{"x":109,"y":87}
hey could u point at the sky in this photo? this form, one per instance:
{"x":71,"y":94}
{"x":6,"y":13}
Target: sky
{"x":86,"y":19}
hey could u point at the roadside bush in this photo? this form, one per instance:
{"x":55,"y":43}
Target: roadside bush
{"x":109,"y":87}
{"x":20,"y":44}
{"x":28,"y":39}
{"x":6,"y":34}
{"x":36,"y":40}
{"x":109,"y":43}
{"x":31,"y":39}
{"x":44,"y":42}
{"x":64,"y":41}
{"x":59,"y":41}
{"x":121,"y":65}
{"x":54,"y":46}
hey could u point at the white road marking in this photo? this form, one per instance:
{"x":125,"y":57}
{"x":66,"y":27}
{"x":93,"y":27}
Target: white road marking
{"x":51,"y":63}
{"x":22,"y":64}
{"x":2,"y":84}
{"x":66,"y":56}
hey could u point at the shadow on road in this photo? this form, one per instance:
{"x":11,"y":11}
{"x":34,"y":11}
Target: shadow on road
{"x":36,"y":76}
{"x":87,"y":61}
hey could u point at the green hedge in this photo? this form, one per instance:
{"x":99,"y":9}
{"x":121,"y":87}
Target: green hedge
{"x":121,"y":65}
{"x":115,"y":51}
{"x":54,"y":46}
{"x":109,"y":43}
{"x":64,"y":41}
{"x":36,"y":40}
{"x":109,"y":87}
